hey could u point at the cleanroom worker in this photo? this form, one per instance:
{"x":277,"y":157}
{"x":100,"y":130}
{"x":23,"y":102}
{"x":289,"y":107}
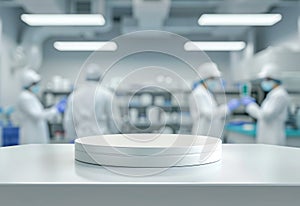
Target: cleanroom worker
{"x":272,"y":114}
{"x":33,"y":116}
{"x":90,"y":108}
{"x":208,"y":117}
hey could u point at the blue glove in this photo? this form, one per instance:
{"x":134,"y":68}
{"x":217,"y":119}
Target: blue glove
{"x":9,"y":111}
{"x":233,"y":104}
{"x":247,"y":100}
{"x":61,"y":105}
{"x":195,"y":85}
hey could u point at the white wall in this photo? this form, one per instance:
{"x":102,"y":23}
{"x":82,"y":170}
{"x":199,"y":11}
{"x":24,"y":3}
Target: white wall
{"x":272,"y":43}
{"x":284,"y":33}
{"x":9,"y":83}
{"x":65,"y":64}
{"x":68,"y":64}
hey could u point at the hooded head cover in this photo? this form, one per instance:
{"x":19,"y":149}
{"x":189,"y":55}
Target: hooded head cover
{"x":93,"y":72}
{"x":208,"y":70}
{"x":29,"y":78}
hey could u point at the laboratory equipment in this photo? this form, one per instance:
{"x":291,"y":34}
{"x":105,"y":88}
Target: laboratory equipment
{"x":10,"y":136}
{"x":298,"y":118}
{"x":245,"y":89}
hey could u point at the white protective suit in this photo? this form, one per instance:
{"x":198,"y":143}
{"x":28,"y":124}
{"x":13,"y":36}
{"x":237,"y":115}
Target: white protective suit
{"x":89,"y":111}
{"x":33,"y":119}
{"x":208,"y":117}
{"x":271,"y":117}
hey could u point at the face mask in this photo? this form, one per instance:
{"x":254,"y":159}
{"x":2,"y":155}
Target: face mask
{"x":211,"y":84}
{"x":35,"y":89}
{"x":267,"y":85}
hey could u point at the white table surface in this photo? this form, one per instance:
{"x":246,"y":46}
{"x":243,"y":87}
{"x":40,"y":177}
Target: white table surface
{"x":240,"y":165}
{"x":247,"y":175}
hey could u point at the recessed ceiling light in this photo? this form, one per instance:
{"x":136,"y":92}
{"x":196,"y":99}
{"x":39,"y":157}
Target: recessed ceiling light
{"x":85,"y":46}
{"x":63,"y":19}
{"x":239,"y":19}
{"x":214,"y":45}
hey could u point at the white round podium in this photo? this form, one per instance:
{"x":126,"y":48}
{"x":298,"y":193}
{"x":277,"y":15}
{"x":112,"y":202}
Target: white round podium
{"x":148,"y":150}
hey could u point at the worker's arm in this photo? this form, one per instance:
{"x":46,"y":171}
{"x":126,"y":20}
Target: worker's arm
{"x":37,"y":114}
{"x":222,"y":111}
{"x":203,"y":106}
{"x":200,"y":106}
{"x":268,"y":112}
{"x":194,"y":111}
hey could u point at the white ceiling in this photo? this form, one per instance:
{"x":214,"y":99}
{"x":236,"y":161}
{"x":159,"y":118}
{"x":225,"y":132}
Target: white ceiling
{"x":178,"y":16}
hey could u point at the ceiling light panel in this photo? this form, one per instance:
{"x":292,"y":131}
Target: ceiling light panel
{"x":214,"y":45}
{"x":85,"y":46}
{"x":63,"y":19}
{"x":239,"y":19}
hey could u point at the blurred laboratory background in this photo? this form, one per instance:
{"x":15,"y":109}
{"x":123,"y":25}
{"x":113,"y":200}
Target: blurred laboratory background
{"x":254,"y":46}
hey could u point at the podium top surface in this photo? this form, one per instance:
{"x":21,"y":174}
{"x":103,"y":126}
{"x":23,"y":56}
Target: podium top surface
{"x":241,"y":164}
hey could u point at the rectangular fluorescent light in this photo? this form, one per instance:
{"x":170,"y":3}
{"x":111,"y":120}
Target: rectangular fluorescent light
{"x":63,"y":19}
{"x":85,"y":46}
{"x":214,"y":45}
{"x":239,"y":19}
